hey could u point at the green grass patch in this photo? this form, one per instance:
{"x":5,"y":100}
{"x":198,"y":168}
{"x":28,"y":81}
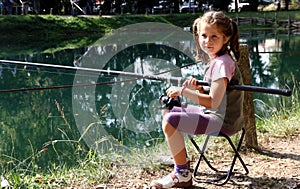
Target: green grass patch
{"x":283,"y":119}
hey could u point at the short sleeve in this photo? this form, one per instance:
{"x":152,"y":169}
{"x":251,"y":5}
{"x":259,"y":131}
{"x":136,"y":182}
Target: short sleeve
{"x":222,"y":67}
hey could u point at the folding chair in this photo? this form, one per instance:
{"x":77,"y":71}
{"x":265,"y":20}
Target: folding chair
{"x":224,"y":174}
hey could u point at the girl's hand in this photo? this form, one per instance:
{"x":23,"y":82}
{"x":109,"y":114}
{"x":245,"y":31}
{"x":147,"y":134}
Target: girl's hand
{"x":173,"y":91}
{"x":192,"y":84}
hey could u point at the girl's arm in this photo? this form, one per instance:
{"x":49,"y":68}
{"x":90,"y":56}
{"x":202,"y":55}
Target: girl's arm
{"x":211,"y":100}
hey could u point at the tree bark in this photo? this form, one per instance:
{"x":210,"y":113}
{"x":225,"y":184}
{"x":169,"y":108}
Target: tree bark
{"x":249,"y":116}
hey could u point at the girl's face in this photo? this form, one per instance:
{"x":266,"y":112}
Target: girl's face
{"x":211,"y":40}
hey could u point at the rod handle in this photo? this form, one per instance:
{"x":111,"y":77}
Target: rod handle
{"x":284,"y":92}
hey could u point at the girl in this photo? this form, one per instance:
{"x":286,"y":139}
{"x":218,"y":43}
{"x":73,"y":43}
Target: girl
{"x":216,"y":37}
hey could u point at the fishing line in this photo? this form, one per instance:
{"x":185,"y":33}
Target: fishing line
{"x":64,"y":86}
{"x":47,"y":72}
{"x":173,"y":80}
{"x":93,"y":71}
{"x":274,"y":52}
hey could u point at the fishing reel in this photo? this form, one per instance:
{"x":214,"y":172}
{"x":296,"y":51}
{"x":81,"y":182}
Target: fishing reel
{"x":168,"y":103}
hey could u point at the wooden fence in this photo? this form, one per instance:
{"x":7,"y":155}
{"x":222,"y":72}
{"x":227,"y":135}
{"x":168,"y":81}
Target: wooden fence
{"x":267,"y":21}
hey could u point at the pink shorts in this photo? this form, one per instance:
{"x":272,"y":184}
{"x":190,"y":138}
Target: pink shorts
{"x":192,"y":120}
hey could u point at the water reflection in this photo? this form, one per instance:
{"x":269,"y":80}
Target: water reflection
{"x":275,"y":64}
{"x":127,"y":111}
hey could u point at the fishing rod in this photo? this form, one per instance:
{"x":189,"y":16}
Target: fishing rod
{"x":174,"y":80}
{"x":275,"y":52}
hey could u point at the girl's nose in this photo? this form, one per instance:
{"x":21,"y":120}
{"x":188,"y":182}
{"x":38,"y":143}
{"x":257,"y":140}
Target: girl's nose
{"x":207,"y":40}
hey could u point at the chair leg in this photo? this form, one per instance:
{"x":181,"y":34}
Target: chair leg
{"x":236,"y":152}
{"x":225,"y":177}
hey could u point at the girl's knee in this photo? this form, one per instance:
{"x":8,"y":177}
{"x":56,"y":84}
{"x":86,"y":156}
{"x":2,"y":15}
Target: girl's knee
{"x":164,"y":111}
{"x":168,"y":129}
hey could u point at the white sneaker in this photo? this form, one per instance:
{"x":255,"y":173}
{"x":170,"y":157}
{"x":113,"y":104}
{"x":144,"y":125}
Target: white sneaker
{"x":174,"y":180}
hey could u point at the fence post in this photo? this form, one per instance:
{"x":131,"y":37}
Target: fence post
{"x":249,"y":116}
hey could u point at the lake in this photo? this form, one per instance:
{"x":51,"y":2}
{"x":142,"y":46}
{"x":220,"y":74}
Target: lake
{"x":53,"y":115}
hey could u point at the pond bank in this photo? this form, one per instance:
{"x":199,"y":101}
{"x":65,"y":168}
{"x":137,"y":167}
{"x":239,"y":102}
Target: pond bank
{"x":42,"y":32}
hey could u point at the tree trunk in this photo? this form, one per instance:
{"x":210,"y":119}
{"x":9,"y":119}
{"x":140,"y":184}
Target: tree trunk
{"x":253,"y":5}
{"x":250,"y":126}
{"x":287,"y":5}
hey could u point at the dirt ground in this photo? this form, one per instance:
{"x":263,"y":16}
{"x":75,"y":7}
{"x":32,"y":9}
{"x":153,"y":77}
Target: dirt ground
{"x":277,"y":166}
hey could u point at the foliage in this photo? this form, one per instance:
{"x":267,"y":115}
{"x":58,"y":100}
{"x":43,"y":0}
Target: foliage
{"x":281,"y":120}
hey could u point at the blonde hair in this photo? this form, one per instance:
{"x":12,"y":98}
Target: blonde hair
{"x":227,"y":26}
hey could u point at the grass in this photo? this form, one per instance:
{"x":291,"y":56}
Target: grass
{"x":93,"y":169}
{"x":282,"y":121}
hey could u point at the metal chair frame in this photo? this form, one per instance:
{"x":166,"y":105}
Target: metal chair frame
{"x":227,"y":173}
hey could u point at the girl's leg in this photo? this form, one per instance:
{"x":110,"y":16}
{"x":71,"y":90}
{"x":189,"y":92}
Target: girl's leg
{"x":181,"y":176}
{"x":177,"y":122}
{"x":175,"y":140}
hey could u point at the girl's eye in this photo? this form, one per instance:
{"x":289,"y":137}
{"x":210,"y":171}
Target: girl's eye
{"x":214,"y":37}
{"x":204,"y":36}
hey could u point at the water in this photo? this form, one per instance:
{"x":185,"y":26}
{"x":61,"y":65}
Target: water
{"x":48,"y":121}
